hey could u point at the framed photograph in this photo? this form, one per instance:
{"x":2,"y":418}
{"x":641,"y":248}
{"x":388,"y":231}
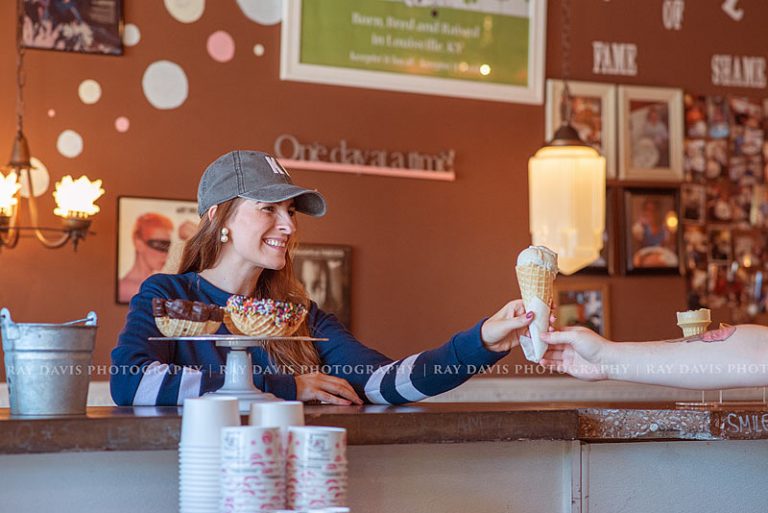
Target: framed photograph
{"x":150,"y":239}
{"x":695,"y":116}
{"x":486,"y":50}
{"x":583,"y":303}
{"x":718,"y":116}
{"x":85,"y":26}
{"x":717,"y":159}
{"x":325,"y":270}
{"x":695,"y":160}
{"x":696,"y":242}
{"x":720,"y":249}
{"x":651,"y":125}
{"x":693,"y":198}
{"x":652,"y":236}
{"x":593,"y":115}
{"x":748,"y":248}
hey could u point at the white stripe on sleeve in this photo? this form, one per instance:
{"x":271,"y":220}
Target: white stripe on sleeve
{"x":190,"y":384}
{"x":403,"y":382}
{"x":149,"y":386}
{"x":373,"y":386}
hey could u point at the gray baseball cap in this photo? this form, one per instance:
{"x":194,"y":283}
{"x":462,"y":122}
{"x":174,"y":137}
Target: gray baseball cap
{"x":257,"y":176}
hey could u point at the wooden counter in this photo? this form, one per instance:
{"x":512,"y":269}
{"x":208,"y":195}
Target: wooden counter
{"x":150,"y":428}
{"x":421,"y":458}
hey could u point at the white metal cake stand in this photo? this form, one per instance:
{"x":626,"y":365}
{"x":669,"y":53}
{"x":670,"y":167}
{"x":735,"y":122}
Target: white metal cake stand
{"x":238,"y":373}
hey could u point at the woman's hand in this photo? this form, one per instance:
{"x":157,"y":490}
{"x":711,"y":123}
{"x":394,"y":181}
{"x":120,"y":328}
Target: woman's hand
{"x":577,"y":351}
{"x":325,"y":388}
{"x":502,"y":331}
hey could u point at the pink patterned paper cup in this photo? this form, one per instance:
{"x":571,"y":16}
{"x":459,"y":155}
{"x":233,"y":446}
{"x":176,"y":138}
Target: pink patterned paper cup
{"x":314,"y":444}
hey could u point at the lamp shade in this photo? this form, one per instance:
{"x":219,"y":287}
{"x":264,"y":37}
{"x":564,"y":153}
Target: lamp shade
{"x":566,"y":187}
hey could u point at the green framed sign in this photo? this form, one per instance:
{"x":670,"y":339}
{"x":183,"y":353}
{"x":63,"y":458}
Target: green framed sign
{"x":481,"y":49}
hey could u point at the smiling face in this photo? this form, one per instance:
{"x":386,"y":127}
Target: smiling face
{"x":259,"y":233}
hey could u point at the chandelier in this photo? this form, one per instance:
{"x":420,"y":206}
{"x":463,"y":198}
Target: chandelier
{"x":74,"y":198}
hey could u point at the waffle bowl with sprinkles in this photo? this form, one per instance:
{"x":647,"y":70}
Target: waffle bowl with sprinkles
{"x":184,"y":318}
{"x":263,"y":317}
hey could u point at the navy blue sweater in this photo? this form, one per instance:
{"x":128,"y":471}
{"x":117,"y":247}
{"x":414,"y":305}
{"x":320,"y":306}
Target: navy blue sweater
{"x":167,"y":372}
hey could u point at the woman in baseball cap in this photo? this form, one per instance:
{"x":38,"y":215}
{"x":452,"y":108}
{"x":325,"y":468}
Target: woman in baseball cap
{"x":248,"y":204}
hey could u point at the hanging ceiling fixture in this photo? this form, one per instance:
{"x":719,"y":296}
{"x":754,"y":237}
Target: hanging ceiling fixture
{"x":74,"y":198}
{"x":566,"y":185}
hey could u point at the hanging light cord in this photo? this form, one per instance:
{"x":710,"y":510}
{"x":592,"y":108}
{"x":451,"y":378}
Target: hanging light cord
{"x":565,"y":44}
{"x":20,"y":77}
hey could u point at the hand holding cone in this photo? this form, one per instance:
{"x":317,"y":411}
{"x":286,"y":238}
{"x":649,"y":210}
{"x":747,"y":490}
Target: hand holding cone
{"x":536,"y":271}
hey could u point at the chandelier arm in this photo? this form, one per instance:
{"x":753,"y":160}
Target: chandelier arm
{"x":48,"y":243}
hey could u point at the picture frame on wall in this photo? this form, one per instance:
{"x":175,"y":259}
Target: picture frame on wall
{"x":325,"y":270}
{"x":83,"y":26}
{"x":651,"y":126}
{"x":365,"y":43}
{"x":593,"y":115}
{"x":586,"y":303}
{"x":693,"y":200}
{"x":652,"y":231}
{"x":151,"y":233}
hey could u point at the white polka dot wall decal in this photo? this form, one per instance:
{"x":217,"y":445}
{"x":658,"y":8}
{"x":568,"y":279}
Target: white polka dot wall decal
{"x":185,"y":11}
{"x":51,"y":113}
{"x":89,"y":91}
{"x":221,"y":46}
{"x":165,"y":85}
{"x":70,"y":144}
{"x":122,"y":124}
{"x":40,"y":179}
{"x":258,"y":50}
{"x":266,"y":12}
{"x":131,"y":35}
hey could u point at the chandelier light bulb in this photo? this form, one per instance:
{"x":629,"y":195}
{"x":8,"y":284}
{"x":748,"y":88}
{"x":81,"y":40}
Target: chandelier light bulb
{"x":75,"y":198}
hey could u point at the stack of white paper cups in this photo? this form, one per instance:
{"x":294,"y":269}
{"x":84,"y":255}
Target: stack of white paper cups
{"x":199,"y":453}
{"x":316,"y":467}
{"x":280,"y":414}
{"x":252,"y":470}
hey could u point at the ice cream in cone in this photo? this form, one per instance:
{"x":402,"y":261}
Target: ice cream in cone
{"x":536,"y":271}
{"x":694,"y":322}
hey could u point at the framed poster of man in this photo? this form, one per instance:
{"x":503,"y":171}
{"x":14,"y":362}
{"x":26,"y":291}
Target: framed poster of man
{"x":150,"y":238}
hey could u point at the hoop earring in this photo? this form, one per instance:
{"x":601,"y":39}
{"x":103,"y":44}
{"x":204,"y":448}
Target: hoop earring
{"x":224,"y":235}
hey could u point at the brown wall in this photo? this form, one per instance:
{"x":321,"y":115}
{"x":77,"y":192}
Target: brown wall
{"x":429,"y":258}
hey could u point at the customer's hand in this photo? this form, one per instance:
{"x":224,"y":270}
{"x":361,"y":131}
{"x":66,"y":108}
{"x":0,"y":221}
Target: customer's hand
{"x":329,"y":389}
{"x":577,"y":351}
{"x":502,"y":331}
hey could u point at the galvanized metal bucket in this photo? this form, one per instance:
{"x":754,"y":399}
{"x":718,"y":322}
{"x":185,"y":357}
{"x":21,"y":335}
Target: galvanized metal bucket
{"x":47,"y":365}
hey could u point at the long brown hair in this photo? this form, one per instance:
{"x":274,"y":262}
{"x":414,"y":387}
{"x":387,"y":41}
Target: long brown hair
{"x":202,"y":251}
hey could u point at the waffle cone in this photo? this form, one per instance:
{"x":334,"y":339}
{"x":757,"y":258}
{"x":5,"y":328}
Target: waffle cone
{"x":535,"y":281}
{"x":185,"y":328}
{"x":693,"y":328}
{"x":260,"y":325}
{"x":231,"y":325}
